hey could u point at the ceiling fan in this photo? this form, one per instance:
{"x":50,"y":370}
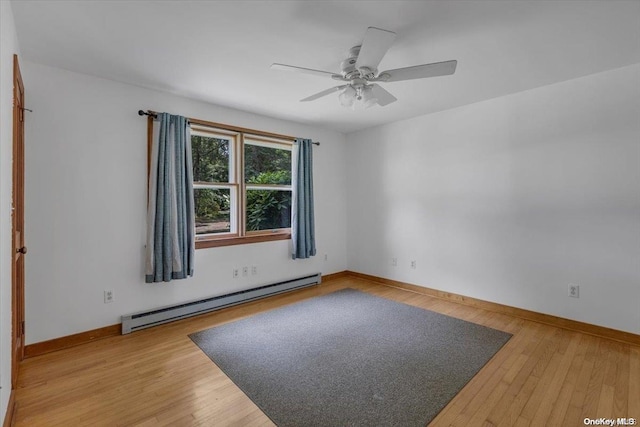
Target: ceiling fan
{"x":360,"y":71}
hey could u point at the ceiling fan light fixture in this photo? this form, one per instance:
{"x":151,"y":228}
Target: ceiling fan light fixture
{"x":348,"y":96}
{"x":368,"y":98}
{"x":359,"y":96}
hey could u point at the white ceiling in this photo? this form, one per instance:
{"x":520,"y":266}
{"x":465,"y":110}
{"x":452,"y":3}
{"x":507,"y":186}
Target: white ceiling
{"x":220,"y":51}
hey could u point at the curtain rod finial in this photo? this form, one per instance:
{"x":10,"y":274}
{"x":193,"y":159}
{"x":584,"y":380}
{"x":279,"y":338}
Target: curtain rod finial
{"x":140,"y":113}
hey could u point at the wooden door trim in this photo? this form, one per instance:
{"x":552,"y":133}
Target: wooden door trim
{"x":11,"y":410}
{"x":17,"y":204}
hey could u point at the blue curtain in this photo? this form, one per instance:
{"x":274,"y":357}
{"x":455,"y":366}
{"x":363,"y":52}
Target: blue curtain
{"x":302,"y":222}
{"x":170,"y":210}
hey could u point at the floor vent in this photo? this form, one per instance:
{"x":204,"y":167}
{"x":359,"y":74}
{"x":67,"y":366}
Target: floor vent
{"x":147,"y":319}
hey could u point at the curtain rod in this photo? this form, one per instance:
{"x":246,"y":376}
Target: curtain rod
{"x":153,"y":114}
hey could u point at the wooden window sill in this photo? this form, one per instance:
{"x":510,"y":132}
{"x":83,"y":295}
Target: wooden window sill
{"x":231,"y":241}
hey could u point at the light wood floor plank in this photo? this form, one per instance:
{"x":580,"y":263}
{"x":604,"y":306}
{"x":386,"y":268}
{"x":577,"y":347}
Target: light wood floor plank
{"x":594,"y":388}
{"x":634,"y":382}
{"x":551,"y":386}
{"x":525,"y":382}
{"x":158,"y":377}
{"x":563,"y":398}
{"x":575,"y":409}
{"x":620,"y":403}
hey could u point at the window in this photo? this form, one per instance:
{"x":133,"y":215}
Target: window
{"x":242,"y":187}
{"x":267,"y":179}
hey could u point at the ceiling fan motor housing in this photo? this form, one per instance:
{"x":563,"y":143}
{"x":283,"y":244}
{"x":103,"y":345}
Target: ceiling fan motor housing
{"x":348,"y":67}
{"x":349,"y":70}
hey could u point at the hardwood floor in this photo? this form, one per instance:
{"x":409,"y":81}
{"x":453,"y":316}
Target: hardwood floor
{"x":543,"y":376}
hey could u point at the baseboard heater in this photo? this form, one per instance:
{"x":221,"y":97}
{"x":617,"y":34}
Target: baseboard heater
{"x":158,"y":316}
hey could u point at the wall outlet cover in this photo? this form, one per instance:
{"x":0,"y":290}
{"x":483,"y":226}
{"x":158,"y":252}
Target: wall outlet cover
{"x":574,"y":291}
{"x":108,"y":296}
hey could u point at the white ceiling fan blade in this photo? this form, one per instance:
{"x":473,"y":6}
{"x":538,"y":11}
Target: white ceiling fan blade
{"x":375,"y":44}
{"x":285,"y":67}
{"x":419,"y":71}
{"x":323,"y":93}
{"x":383,"y":97}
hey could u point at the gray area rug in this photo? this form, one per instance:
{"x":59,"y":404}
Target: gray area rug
{"x":349,"y":358}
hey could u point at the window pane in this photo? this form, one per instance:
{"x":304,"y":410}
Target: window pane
{"x":210,"y":159}
{"x":213,"y":210}
{"x":266,"y":165}
{"x":268,"y":209}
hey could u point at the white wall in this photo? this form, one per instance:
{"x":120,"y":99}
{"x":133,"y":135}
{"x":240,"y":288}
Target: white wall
{"x":507,"y":200}
{"x":8,"y":47}
{"x":510,"y":200}
{"x":86,"y":204}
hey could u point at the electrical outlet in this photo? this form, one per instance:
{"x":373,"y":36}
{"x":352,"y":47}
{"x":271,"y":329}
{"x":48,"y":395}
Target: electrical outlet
{"x":326,"y":257}
{"x":236,"y":273}
{"x":245,"y":271}
{"x":574,"y":291}
{"x":394,"y":262}
{"x":108,"y":296}
{"x":413,"y":264}
{"x":254,"y":270}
